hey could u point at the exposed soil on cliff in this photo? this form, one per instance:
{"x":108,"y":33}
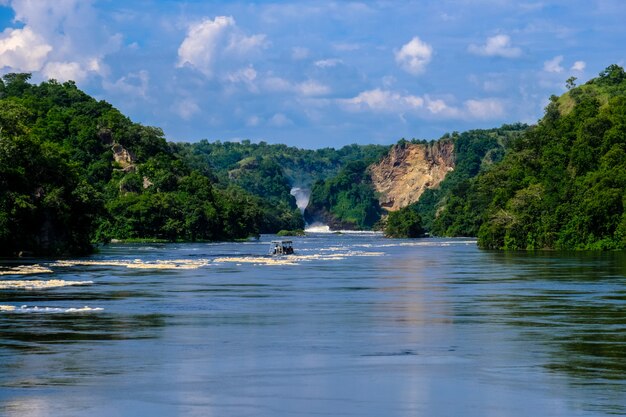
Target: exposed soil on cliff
{"x":409,"y":169}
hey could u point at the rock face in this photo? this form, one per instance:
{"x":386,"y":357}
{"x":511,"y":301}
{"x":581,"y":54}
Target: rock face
{"x":124,"y":157}
{"x":409,"y":169}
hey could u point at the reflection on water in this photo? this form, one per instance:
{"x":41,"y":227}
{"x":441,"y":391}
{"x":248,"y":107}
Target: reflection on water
{"x":350,"y":325}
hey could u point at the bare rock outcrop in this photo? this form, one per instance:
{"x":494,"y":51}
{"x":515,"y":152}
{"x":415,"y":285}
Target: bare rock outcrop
{"x":409,"y":169}
{"x":123,"y":157}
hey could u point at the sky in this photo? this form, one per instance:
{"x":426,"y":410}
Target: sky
{"x":315,"y":73}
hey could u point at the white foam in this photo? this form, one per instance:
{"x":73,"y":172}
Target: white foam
{"x":318,"y":228}
{"x":36,"y":309}
{"x":294,"y":259}
{"x":39,"y":284}
{"x":25,"y":270}
{"x":139,"y":264}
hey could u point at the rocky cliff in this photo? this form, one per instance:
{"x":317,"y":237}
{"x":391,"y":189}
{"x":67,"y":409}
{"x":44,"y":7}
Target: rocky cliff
{"x":409,"y":169}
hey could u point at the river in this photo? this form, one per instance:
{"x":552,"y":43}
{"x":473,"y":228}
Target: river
{"x":352,"y":325}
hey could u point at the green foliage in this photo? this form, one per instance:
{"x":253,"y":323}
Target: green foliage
{"x":452,"y":209}
{"x":561,"y":185}
{"x":270,"y":171}
{"x":346,"y":200}
{"x":74,"y":170}
{"x":297,"y":232}
{"x":404,"y":223}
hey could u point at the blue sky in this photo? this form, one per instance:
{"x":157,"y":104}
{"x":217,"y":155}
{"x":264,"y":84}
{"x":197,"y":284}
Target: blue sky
{"x":315,"y":73}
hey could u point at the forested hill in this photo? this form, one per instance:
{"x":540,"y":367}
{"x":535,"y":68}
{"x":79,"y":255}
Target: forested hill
{"x":562,"y":184}
{"x":301,"y":167}
{"x":74,"y":170}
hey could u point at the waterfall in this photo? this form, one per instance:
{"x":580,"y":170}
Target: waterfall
{"x":302,"y":197}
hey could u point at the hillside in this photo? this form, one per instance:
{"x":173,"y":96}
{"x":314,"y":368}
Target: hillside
{"x":413,"y":176}
{"x":561,"y":185}
{"x":74,"y":171}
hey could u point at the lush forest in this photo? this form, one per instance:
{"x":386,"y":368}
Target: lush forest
{"x":561,"y":185}
{"x":302,"y":167}
{"x":74,"y":170}
{"x":475,"y":152}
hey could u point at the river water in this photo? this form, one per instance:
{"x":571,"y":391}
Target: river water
{"x":352,"y":325}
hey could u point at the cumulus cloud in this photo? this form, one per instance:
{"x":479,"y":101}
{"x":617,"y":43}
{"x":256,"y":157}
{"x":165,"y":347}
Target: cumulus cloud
{"x":23,"y":49}
{"x":214,"y":40}
{"x":579,"y":66}
{"x":62,"y":39}
{"x":484,"y":109}
{"x":414,"y":56}
{"x":499,"y":45}
{"x":554,"y":65}
{"x":65,"y":71}
{"x":382,"y":100}
{"x":385,"y":101}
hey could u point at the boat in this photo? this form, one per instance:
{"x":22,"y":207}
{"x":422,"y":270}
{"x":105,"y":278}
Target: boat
{"x":281,"y":247}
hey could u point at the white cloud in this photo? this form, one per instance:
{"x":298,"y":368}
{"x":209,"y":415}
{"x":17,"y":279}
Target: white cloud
{"x":498,"y":45}
{"x":382,"y":100}
{"x":328,"y":63}
{"x":23,"y":49}
{"x":579,"y":66}
{"x":62,"y":39}
{"x":198,"y":48}
{"x":306,"y":88}
{"x":211,"y":41}
{"x":131,"y":85}
{"x":64,"y":71}
{"x":245,"y":76}
{"x":484,"y":109}
{"x":437,"y":106}
{"x":414,"y":56}
{"x":554,"y":65}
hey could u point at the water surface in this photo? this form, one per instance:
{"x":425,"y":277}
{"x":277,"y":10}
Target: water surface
{"x":353,"y":325}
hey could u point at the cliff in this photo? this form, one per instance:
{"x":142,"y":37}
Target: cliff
{"x":409,"y":169}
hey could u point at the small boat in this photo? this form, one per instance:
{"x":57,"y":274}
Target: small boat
{"x":281,"y":247}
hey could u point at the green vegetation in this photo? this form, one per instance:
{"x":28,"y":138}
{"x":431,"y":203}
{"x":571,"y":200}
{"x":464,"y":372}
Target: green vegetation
{"x":562,"y":184}
{"x":301,"y":167}
{"x":404,"y":223}
{"x":297,"y":232}
{"x":346,"y":201}
{"x":475,"y":152}
{"x":74,"y":170}
{"x":270,"y":171}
